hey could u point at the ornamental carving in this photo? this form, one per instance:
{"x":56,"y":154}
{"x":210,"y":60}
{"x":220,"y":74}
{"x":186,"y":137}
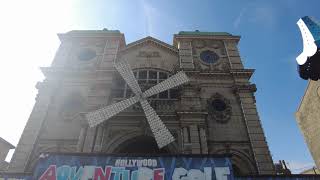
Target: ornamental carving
{"x":244,"y":88}
{"x":219,"y":108}
{"x":215,"y":44}
{"x":148,"y":54}
{"x":199,"y":43}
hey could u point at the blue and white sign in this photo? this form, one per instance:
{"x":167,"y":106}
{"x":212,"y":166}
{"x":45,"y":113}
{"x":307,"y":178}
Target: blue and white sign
{"x":115,"y":167}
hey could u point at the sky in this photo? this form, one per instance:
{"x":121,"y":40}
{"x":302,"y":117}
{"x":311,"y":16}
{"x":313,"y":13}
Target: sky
{"x":270,"y":42}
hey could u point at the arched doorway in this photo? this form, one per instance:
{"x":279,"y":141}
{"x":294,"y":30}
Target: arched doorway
{"x":141,"y":145}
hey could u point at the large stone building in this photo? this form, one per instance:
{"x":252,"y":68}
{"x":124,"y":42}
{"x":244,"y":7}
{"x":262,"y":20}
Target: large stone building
{"x":308,"y":118}
{"x":215,"y":113}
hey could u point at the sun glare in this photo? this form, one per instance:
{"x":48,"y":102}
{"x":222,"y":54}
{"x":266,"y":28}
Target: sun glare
{"x":28,"y":41}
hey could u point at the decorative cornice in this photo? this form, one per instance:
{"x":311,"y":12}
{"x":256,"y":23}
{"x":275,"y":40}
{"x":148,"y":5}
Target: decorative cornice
{"x":244,"y":88}
{"x":229,"y":142}
{"x":242,"y":72}
{"x":177,"y":37}
{"x":246,"y":73}
{"x":76,"y":34}
{"x":49,"y":71}
{"x":90,"y":34}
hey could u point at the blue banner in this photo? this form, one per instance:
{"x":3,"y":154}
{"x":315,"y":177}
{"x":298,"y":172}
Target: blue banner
{"x":116,"y":167}
{"x":129,"y":167}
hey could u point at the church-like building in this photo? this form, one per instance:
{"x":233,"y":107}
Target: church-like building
{"x":214,"y":113}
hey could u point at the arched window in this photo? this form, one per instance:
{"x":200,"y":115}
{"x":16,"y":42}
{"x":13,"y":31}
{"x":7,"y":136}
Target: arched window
{"x":146,"y":79}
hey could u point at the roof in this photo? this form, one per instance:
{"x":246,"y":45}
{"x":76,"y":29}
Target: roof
{"x":93,"y":33}
{"x":6,"y":143}
{"x":201,"y":33}
{"x":103,"y":31}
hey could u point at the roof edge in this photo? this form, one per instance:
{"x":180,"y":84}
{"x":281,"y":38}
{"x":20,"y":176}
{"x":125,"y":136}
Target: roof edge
{"x":203,"y":33}
{"x":6,"y":142}
{"x":149,"y":38}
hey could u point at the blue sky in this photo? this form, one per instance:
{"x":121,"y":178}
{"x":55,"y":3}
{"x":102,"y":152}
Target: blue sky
{"x":270,"y":42}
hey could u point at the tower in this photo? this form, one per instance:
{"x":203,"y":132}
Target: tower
{"x":214,"y":113}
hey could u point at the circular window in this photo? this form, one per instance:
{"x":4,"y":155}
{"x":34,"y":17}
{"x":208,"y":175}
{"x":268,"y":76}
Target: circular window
{"x":86,"y":54}
{"x":219,"y":108}
{"x":209,"y":57}
{"x":219,"y":105}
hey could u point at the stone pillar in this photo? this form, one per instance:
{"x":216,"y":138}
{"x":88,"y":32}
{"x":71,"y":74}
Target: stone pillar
{"x":259,"y":145}
{"x":203,"y":140}
{"x":185,"y":55}
{"x":98,"y":140}
{"x":233,"y":54}
{"x":28,"y":139}
{"x":82,"y":138}
{"x":109,"y":53}
{"x":185,"y":133}
{"x":90,"y":140}
{"x":195,"y":139}
{"x":192,"y":117}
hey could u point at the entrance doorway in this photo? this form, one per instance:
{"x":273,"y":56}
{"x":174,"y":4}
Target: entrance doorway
{"x":141,"y":145}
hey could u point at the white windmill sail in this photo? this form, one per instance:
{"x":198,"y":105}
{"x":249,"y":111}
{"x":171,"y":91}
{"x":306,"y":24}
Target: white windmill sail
{"x":309,"y":46}
{"x":161,"y":134}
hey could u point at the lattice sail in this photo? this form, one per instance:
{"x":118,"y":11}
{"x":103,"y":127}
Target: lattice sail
{"x":96,"y":117}
{"x":161,"y":134}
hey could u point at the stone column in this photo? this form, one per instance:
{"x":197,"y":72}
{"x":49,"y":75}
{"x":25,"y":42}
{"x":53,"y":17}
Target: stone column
{"x":82,"y":138}
{"x":98,"y":140}
{"x":195,"y":139}
{"x":109,"y":53}
{"x":186,"y":144}
{"x":203,"y":140}
{"x":90,"y":140}
{"x":192,"y":117}
{"x":185,"y":55}
{"x":31,"y":131}
{"x":255,"y":132}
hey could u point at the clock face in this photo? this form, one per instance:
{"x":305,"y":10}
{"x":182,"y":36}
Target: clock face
{"x":209,"y":57}
{"x":86,"y":54}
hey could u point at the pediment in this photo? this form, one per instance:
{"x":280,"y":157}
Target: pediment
{"x":150,"y":53}
{"x":150,"y":41}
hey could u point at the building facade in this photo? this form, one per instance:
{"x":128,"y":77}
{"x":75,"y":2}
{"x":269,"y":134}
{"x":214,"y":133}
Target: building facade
{"x":215,"y":113}
{"x":308,"y":118}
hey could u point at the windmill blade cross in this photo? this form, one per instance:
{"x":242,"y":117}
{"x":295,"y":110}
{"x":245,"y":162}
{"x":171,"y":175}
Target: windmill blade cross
{"x":125,"y":71}
{"x":96,"y":117}
{"x":161,"y":133}
{"x":173,"y":81}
